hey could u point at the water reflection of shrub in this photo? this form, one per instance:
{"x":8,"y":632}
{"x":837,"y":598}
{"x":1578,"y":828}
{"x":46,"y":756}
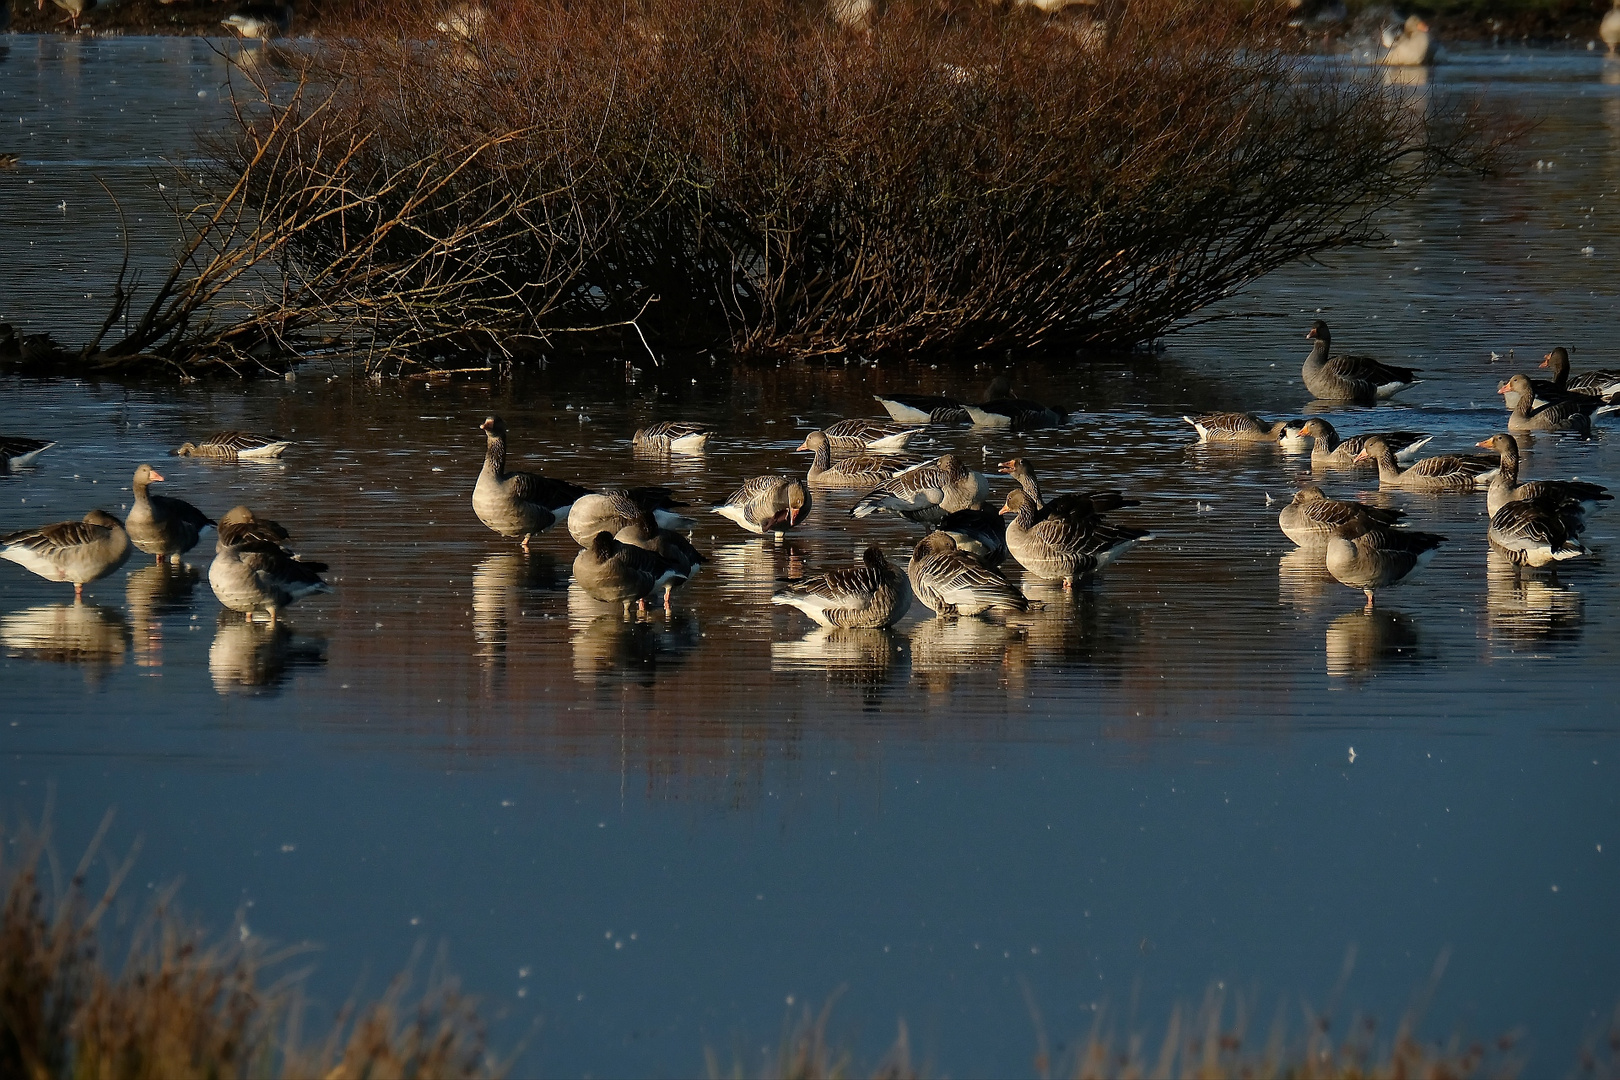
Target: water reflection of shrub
{"x":759,"y":178}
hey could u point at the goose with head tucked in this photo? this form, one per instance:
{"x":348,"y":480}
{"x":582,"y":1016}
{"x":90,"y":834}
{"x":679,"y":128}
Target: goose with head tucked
{"x":860,"y":471}
{"x":1379,"y":557}
{"x":1535,"y":532}
{"x":1312,"y":519}
{"x":1505,"y":486}
{"x":235,"y":446}
{"x":615,"y":572}
{"x":77,"y":551}
{"x":977,"y":531}
{"x":614,"y":509}
{"x":951,"y":582}
{"x":1064,"y":547}
{"x":858,"y":434}
{"x":673,"y":547}
{"x":1359,"y":380}
{"x":20,"y":451}
{"x":1329,"y":451}
{"x":871,"y":595}
{"x":928,"y":492}
{"x":1566,"y":412}
{"x":253,"y":570}
{"x":767,"y":504}
{"x":1237,"y":428}
{"x":1445,"y":472}
{"x":672,"y":437}
{"x":160,"y":525}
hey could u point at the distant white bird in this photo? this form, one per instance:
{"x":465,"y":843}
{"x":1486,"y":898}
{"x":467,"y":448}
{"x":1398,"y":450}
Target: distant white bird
{"x":1609,"y":28}
{"x":1412,"y":46}
{"x":261,"y":21}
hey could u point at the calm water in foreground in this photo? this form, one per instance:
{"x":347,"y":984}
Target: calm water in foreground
{"x":638,"y":841}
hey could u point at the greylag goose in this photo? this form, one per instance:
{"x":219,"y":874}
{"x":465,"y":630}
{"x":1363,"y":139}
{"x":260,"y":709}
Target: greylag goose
{"x":261,"y":21}
{"x":980,"y":532}
{"x":951,"y":582}
{"x":1535,"y":532}
{"x":1446,"y":472}
{"x":929,"y":409}
{"x":674,"y":548}
{"x":672,"y":437}
{"x":871,"y":595}
{"x":253,"y":571}
{"x":1568,"y":412}
{"x":1312,"y":519}
{"x":1236,"y":427}
{"x":1329,"y":451}
{"x":22,"y":451}
{"x":1609,"y":28}
{"x":928,"y":492}
{"x":767,"y":504}
{"x":1412,"y":46}
{"x":614,"y":572}
{"x":159,"y":525}
{"x":1063,"y":547}
{"x":1092,"y":502}
{"x":77,"y":551}
{"x":1007,"y":410}
{"x":517,"y":503}
{"x":75,"y":9}
{"x":860,"y":471}
{"x":1379,"y":557}
{"x":1600,"y":384}
{"x":1505,"y":486}
{"x":1359,"y":380}
{"x":862,"y":434}
{"x":616,"y":508}
{"x":235,"y":446}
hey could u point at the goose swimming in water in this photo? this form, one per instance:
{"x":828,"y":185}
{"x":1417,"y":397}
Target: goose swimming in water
{"x":1359,"y":380}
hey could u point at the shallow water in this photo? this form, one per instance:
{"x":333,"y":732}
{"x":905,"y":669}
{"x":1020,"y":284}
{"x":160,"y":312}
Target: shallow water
{"x":642,"y":840}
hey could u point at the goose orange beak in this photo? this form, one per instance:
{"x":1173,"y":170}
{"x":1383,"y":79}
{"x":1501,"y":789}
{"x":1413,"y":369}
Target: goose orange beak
{"x":1546,"y":361}
{"x":1504,"y":388}
{"x":1487,"y":442}
{"x":1005,"y":509}
{"x":801,"y":446}
{"x":1363,"y":456}
{"x":156,"y":475}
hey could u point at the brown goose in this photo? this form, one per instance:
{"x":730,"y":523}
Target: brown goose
{"x":863,"y":434}
{"x":871,"y":595}
{"x":980,"y":532}
{"x":1329,"y":451}
{"x":672,"y":437}
{"x":674,"y":548}
{"x":1360,"y":380}
{"x":1535,"y":532}
{"x":1061,"y":547}
{"x":616,"y":508}
{"x":235,"y":446}
{"x":767,"y":504}
{"x":1236,"y":427}
{"x":860,"y":471}
{"x":76,"y":551}
{"x":160,"y":525}
{"x":1312,"y":519}
{"x":1571,"y":412}
{"x":929,"y":409}
{"x":1505,"y":486}
{"x":1379,"y":557}
{"x":253,"y":571}
{"x":928,"y":492}
{"x":618,"y":573}
{"x":517,"y":503}
{"x":1447,"y":472}
{"x":21,"y":451}
{"x":951,"y":582}
{"x":1092,"y":502}
{"x":1600,"y":384}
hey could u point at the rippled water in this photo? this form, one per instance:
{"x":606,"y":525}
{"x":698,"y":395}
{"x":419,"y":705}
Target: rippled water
{"x":640,"y":840}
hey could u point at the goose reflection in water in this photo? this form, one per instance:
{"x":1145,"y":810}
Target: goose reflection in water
{"x":758,"y":566}
{"x":941,"y":649}
{"x":607,"y":642}
{"x":250,"y":656}
{"x":502,"y":587}
{"x":88,"y":634}
{"x":1303,"y":581}
{"x":1361,"y":642}
{"x":152,"y":593}
{"x":857,"y":657}
{"x":1079,"y":627}
{"x":1529,"y":607}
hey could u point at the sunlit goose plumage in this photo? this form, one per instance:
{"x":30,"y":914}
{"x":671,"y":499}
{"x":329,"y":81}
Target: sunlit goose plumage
{"x":1535,"y":532}
{"x":1572,"y":412}
{"x":1063,"y":547}
{"x":979,"y":532}
{"x":516,"y":503}
{"x":1446,"y":472}
{"x":951,"y":582}
{"x":1236,"y":427}
{"x":1092,"y":502}
{"x":236,"y":446}
{"x":860,"y":433}
{"x":254,"y":571}
{"x":21,"y":451}
{"x":1379,"y":557}
{"x":1312,"y":518}
{"x":614,"y":509}
{"x":1329,"y":451}
{"x":1505,"y":486}
{"x":619,"y":573}
{"x":767,"y":504}
{"x":1360,"y":380}
{"x":160,"y":525}
{"x":928,"y":492}
{"x":76,"y":551}
{"x":672,"y":547}
{"x":672,"y":437}
{"x":1413,"y":46}
{"x":1601,"y":384}
{"x":872,"y":594}
{"x":861,"y":471}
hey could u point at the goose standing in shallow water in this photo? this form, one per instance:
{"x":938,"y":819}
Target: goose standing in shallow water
{"x":614,"y":572}
{"x":950,"y":582}
{"x":927,"y":493}
{"x":609,"y":511}
{"x":235,"y":446}
{"x":1063,"y":547}
{"x":1570,"y":412}
{"x":1379,"y":557}
{"x":767,"y":504}
{"x":1505,"y":487}
{"x":1445,"y":472}
{"x":861,"y":471}
{"x":160,"y":525}
{"x":871,"y":595}
{"x":672,"y":547}
{"x":1412,"y":46}
{"x":1329,"y":451}
{"x":517,"y":503}
{"x":20,"y":451}
{"x":76,"y":551}
{"x":1312,"y":519}
{"x":253,"y":571}
{"x":1236,"y":427}
{"x":1359,"y":380}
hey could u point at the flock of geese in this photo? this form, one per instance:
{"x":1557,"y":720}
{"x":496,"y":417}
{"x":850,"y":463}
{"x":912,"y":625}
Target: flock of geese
{"x":635,"y":542}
